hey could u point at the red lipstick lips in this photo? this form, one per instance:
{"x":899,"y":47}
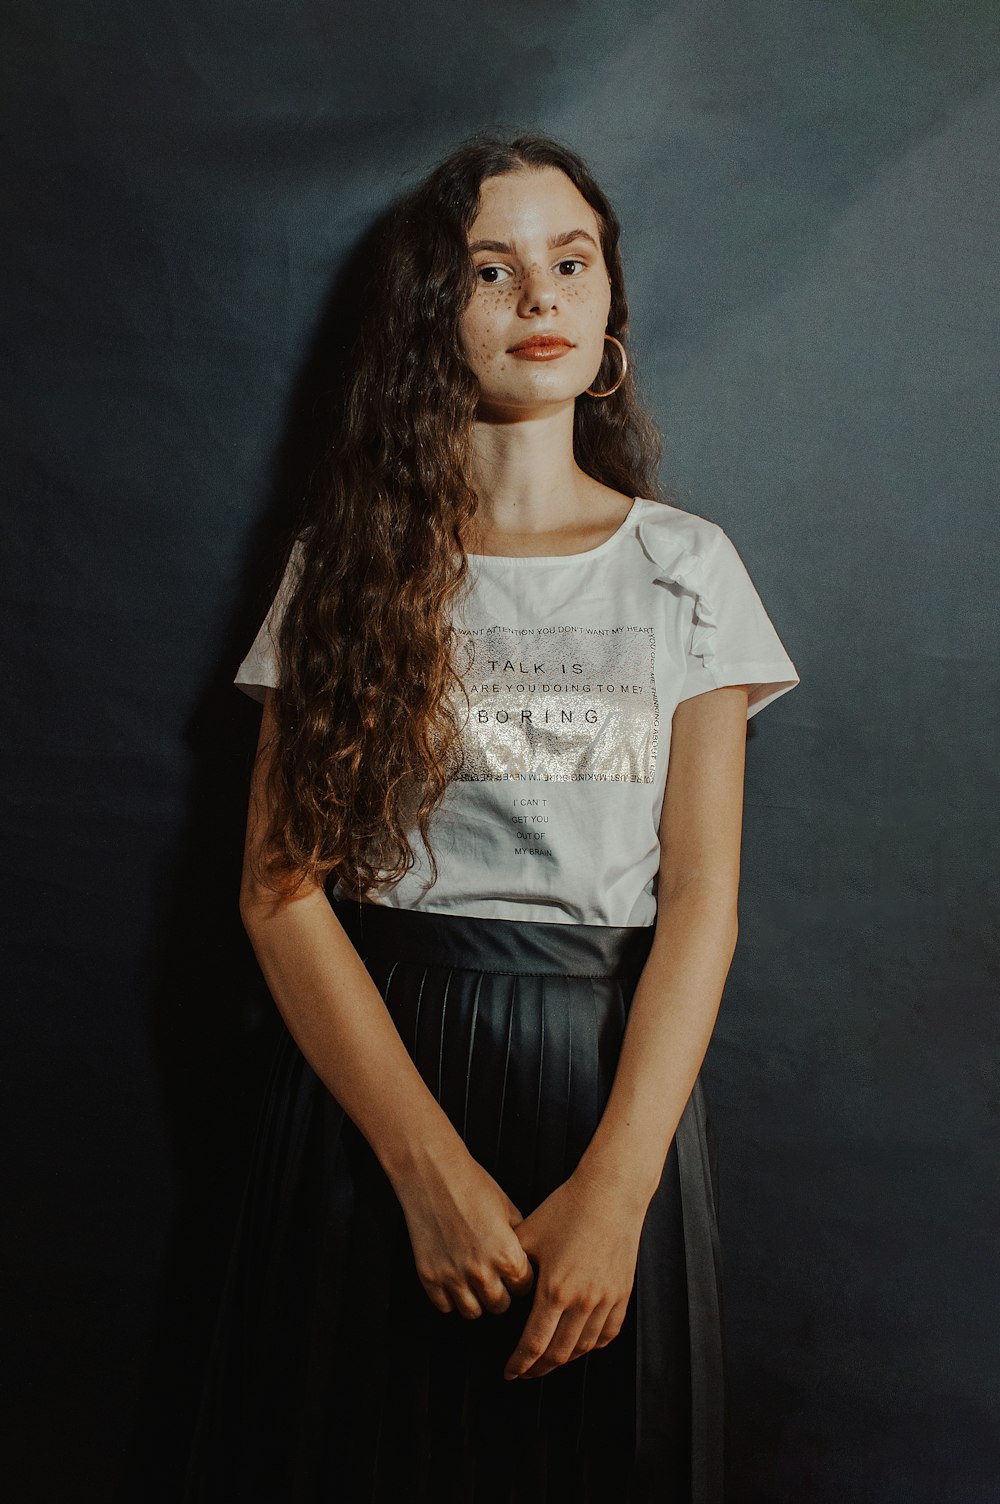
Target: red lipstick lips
{"x":541,"y":347}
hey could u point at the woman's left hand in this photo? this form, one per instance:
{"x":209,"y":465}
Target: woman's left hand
{"x":584,"y":1238}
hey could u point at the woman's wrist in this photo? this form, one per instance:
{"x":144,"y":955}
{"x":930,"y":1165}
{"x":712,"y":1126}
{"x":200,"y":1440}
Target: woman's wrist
{"x":614,"y":1177}
{"x":418,"y":1156}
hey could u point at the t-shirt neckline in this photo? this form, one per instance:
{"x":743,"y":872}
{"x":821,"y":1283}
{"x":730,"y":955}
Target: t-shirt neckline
{"x":583,"y":555}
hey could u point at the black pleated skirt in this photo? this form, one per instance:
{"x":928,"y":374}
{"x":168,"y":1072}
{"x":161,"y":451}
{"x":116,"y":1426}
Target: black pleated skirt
{"x":332,"y":1377}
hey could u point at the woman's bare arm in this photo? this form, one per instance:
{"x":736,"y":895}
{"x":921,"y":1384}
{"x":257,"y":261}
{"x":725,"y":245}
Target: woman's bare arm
{"x":585,"y":1236}
{"x":676,"y":1001}
{"x":335,"y":1012}
{"x":459,"y":1219}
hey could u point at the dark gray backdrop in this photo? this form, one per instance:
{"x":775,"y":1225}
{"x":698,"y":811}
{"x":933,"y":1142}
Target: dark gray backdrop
{"x":810,"y":230}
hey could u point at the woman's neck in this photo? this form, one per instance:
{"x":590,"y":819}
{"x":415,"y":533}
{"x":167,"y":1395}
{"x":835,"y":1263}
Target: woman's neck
{"x":527,"y":479}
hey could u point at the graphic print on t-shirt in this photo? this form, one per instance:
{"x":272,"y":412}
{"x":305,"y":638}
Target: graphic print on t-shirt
{"x":561,"y":704}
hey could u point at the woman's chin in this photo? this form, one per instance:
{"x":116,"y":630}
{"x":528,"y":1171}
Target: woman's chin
{"x":526,"y":400}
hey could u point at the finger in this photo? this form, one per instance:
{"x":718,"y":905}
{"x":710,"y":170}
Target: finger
{"x":613,"y":1324}
{"x":511,"y":1275}
{"x":465,"y":1302}
{"x":561,"y":1346}
{"x":438,"y":1298}
{"x":520,"y":1280}
{"x":492,"y":1294}
{"x":590,"y":1333}
{"x":542,"y":1321}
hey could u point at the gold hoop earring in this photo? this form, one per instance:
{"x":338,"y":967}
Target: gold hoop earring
{"x":621,"y":378}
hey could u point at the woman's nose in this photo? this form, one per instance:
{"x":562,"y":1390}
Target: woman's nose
{"x":538,"y":290}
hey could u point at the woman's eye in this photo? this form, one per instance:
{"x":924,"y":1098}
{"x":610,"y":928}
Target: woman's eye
{"x":493,"y":274}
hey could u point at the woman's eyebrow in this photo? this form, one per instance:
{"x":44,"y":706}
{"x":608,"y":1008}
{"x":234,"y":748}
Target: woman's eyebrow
{"x":554,"y":240}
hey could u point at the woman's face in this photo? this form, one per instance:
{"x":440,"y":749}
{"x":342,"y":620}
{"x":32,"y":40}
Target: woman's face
{"x":536,"y":248}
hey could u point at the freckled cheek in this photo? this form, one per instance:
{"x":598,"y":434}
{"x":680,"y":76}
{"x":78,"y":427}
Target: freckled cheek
{"x":486,"y":335}
{"x":582,"y":297}
{"x":475,"y":337}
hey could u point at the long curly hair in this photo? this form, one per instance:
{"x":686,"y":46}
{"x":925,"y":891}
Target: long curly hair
{"x":369,"y":710}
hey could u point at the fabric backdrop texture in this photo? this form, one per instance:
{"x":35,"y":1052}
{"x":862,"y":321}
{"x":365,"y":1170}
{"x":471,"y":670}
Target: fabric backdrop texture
{"x":807,"y":194}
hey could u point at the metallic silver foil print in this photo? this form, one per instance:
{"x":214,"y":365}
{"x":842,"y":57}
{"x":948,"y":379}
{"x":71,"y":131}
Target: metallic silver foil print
{"x":560,"y":704}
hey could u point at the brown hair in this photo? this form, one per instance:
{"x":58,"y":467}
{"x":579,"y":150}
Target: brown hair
{"x":369,"y":709}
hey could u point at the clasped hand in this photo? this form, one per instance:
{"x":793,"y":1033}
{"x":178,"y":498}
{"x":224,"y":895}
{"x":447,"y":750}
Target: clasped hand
{"x":585,"y":1240}
{"x":474,"y":1251}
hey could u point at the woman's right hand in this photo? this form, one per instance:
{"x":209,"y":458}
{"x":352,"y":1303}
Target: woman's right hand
{"x":461,"y":1226}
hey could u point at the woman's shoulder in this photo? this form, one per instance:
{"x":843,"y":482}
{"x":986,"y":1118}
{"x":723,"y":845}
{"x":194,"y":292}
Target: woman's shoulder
{"x":676,"y":540}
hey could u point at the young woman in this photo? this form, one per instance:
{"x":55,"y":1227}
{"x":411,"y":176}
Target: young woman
{"x":491,"y":876}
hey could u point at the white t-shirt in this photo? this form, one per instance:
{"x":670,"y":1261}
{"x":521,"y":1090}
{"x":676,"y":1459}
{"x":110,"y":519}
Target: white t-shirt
{"x":579,"y":663}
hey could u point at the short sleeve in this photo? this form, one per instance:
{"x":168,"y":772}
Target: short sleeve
{"x":259,"y":669}
{"x":733,"y":640}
